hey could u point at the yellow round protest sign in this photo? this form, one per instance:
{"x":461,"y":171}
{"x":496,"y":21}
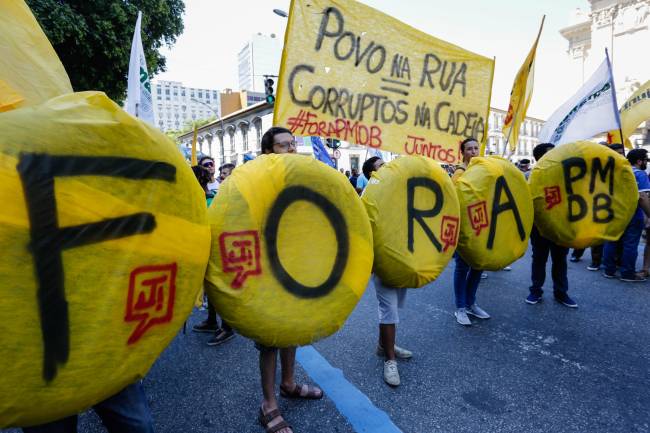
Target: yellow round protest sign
{"x":496,"y":213}
{"x":414,"y":214}
{"x":584,"y":194}
{"x":291,"y":250}
{"x":105,"y":242}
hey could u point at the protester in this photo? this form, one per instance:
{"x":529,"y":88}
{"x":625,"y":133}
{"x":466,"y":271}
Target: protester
{"x":362,"y":181}
{"x":524,"y":165}
{"x":629,"y":241}
{"x":279,"y":140}
{"x":389,"y":299}
{"x":224,"y":332}
{"x":202,"y":175}
{"x":208,"y":163}
{"x":353,"y":178}
{"x":542,"y":247}
{"x":466,"y":279}
{"x":225,"y":170}
{"x":125,"y":412}
{"x":347,"y":174}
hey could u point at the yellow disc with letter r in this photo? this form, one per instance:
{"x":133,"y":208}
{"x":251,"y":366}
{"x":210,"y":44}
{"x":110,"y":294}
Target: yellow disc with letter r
{"x":414,"y":214}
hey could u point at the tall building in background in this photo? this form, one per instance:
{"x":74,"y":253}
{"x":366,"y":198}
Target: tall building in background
{"x":621,"y":26}
{"x":261,"y":56}
{"x":175,"y":104}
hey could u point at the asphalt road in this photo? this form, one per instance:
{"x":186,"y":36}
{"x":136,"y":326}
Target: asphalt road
{"x":531,"y":368}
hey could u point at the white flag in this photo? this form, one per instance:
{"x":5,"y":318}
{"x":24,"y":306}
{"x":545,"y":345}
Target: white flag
{"x":589,"y":112}
{"x":138,"y":94}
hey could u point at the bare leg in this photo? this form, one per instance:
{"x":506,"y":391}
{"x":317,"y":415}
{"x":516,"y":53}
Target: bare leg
{"x":288,"y":362}
{"x":268,"y":362}
{"x":387,"y":340}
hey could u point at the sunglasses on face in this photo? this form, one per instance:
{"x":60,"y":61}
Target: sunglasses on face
{"x":208,"y":164}
{"x":286,"y":144}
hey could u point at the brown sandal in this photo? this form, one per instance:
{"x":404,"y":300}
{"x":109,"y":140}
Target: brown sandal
{"x":265,"y":420}
{"x":302,"y":391}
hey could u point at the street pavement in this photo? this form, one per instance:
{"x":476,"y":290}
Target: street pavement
{"x":531,"y":368}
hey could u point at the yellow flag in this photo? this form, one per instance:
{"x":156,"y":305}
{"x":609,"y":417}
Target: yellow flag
{"x":194,"y":160}
{"x":30,"y":70}
{"x":635,"y":111}
{"x":355,"y":74}
{"x":520,"y":96}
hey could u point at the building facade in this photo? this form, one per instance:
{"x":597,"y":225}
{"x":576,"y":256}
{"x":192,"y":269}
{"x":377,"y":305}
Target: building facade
{"x":621,"y":26}
{"x":528,"y":132}
{"x":260,"y":56}
{"x":240,"y":133}
{"x":175,"y":104}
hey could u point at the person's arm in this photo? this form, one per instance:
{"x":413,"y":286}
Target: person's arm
{"x":644,"y":202}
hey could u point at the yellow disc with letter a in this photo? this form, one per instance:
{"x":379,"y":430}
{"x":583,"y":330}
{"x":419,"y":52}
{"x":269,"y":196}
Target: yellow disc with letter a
{"x":584,"y":194}
{"x":105,"y":242}
{"x":291,"y":250}
{"x":414,"y":214}
{"x":496,"y":213}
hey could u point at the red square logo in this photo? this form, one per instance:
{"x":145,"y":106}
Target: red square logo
{"x":240,"y":253}
{"x":478,"y":216}
{"x":151,"y":297}
{"x":449,"y":232}
{"x":552,"y":196}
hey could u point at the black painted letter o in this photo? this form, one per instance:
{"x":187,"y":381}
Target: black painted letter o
{"x":336,"y":219}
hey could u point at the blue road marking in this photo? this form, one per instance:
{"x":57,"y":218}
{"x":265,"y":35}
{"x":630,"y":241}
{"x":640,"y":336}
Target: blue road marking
{"x":364,"y":416}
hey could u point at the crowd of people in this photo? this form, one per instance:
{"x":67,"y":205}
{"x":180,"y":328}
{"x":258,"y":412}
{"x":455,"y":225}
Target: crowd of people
{"x":127,"y":411}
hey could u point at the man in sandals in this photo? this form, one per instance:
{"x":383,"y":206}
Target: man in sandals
{"x":389,"y":299}
{"x":280,"y":140}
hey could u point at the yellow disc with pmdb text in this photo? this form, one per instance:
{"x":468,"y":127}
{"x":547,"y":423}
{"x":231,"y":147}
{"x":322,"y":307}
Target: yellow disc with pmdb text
{"x":414,"y":214}
{"x":291,"y":250}
{"x":584,"y":194}
{"x":105,"y":242}
{"x":496,"y":213}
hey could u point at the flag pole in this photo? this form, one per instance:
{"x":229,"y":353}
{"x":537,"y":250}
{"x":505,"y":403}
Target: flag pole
{"x":617,"y":113}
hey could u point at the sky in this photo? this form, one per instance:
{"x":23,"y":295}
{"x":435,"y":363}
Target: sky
{"x":205,"y":55}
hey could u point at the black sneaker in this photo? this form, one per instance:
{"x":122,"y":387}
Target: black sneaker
{"x":221,"y":337}
{"x":633,"y":279}
{"x":606,"y":275}
{"x":205,"y":326}
{"x":565,"y":300}
{"x":533,"y":299}
{"x":593,"y":267}
{"x":574,"y":259}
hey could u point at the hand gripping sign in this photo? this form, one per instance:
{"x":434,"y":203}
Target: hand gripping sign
{"x":583,"y":194}
{"x":105,"y":239}
{"x":291,"y":250}
{"x":414,"y":214}
{"x":496,"y":213}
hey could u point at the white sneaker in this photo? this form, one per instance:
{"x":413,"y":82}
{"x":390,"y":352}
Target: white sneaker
{"x":507,"y":268}
{"x":400,"y":352}
{"x":483,"y":275}
{"x":477,"y":311}
{"x":461,"y":317}
{"x":391,"y":375}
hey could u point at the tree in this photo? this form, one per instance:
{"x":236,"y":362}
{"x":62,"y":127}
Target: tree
{"x":93,"y":37}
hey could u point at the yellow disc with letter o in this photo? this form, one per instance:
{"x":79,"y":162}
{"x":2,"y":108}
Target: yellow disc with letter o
{"x":496,"y":213}
{"x":105,"y":242}
{"x":291,"y":250}
{"x":414,"y":214}
{"x":584,"y":194}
